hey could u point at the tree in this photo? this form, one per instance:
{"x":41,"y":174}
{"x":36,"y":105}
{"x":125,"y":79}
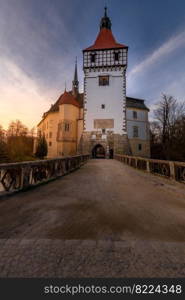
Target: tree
{"x":17,"y":128}
{"x":155,"y":141}
{"x":19,"y":142}
{"x":3,"y":147}
{"x":178,"y":140}
{"x":42,"y":147}
{"x":167,"y":113}
{"x":168,"y":130}
{"x":1,"y":133}
{"x":3,"y":152}
{"x":32,"y":132}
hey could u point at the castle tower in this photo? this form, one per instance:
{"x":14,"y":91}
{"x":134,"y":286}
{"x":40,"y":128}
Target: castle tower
{"x":104,"y":65}
{"x":75,"y":83}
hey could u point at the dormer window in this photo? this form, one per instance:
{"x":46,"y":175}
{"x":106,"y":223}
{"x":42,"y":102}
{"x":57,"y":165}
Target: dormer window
{"x":93,"y":57}
{"x":116,"y":56}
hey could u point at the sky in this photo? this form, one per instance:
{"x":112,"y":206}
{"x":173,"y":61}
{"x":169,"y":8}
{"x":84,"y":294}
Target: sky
{"x":40,"y":39}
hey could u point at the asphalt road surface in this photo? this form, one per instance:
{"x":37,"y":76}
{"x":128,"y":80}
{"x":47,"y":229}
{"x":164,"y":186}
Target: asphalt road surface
{"x":130,"y":221}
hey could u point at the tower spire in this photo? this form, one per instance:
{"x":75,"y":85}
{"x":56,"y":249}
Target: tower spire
{"x":76,"y":72}
{"x":105,"y":21}
{"x":75,"y":83}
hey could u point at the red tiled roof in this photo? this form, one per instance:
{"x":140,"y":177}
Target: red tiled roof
{"x":65,"y":98}
{"x":105,"y":40}
{"x":68,"y":98}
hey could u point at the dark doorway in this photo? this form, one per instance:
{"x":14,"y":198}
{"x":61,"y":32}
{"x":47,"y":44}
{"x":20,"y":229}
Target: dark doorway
{"x":98,"y":151}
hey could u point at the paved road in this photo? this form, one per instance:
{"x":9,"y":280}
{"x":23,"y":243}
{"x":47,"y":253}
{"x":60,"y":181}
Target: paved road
{"x":127,"y":216}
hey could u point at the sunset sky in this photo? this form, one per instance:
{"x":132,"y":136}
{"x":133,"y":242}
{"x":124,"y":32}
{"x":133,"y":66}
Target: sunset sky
{"x":39,"y":40}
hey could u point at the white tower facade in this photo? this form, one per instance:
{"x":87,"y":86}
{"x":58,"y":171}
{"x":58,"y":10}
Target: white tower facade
{"x":104,"y":65}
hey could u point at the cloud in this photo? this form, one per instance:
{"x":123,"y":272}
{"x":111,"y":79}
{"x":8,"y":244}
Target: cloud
{"x":167,"y":48}
{"x":177,"y":88}
{"x":39,"y":40}
{"x":19,"y":96}
{"x":35,"y":60}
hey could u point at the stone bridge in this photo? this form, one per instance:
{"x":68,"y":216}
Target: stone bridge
{"x":106,"y":219}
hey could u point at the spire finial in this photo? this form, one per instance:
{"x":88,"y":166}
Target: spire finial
{"x":65,"y":86}
{"x":105,"y":8}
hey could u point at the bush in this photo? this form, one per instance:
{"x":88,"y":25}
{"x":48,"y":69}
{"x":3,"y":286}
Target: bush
{"x":3,"y":152}
{"x":42,"y":148}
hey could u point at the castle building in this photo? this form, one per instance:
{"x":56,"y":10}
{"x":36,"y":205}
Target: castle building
{"x":102,"y":120}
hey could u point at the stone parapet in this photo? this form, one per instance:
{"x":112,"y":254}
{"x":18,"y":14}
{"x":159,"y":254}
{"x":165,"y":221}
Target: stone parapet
{"x":169,"y":169}
{"x":20,"y":176}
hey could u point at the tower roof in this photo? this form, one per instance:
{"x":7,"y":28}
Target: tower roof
{"x":136,"y":103}
{"x":105,"y":38}
{"x":68,"y":98}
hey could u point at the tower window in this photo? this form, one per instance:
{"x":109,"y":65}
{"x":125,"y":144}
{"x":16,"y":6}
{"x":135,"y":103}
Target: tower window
{"x":103,"y":106}
{"x":103,"y":131}
{"x":93,"y":57}
{"x":50,"y":135}
{"x":103,"y":80}
{"x":135,"y":131}
{"x":135,"y":114}
{"x":116,"y":56}
{"x":139,"y":147}
{"x":50,"y":144}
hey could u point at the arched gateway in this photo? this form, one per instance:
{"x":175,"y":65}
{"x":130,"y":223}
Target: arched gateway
{"x":98,"y":151}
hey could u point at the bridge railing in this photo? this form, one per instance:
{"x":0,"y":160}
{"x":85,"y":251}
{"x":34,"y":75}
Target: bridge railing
{"x":168,"y":169}
{"x":21,"y":175}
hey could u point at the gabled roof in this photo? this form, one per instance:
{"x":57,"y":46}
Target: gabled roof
{"x":105,"y":40}
{"x":136,"y":103}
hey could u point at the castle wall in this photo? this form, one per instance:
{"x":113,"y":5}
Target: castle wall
{"x":49,"y":127}
{"x":61,"y":142}
{"x":67,"y":130}
{"x":140,"y":145}
{"x":144,"y":151}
